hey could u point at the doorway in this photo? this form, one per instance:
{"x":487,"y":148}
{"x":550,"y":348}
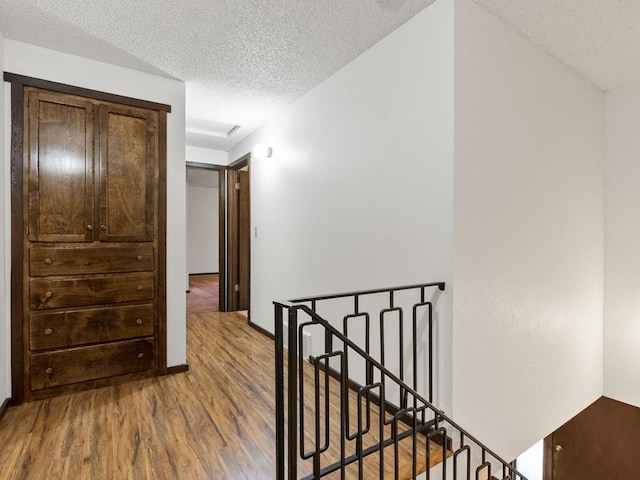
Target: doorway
{"x":239,"y":235}
{"x":206,"y":193}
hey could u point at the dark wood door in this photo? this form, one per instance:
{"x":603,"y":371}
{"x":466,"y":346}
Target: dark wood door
{"x":59,"y":171}
{"x":601,"y":442}
{"x":244,"y":239}
{"x":128,"y":147}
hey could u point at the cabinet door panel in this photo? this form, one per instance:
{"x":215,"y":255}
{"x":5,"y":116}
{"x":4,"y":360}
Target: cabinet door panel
{"x":127,"y":171}
{"x":60,"y":168}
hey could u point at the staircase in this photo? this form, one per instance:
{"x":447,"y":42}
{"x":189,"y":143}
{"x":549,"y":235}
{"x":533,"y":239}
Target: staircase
{"x":355,"y":389}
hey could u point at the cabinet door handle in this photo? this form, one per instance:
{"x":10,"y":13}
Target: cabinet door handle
{"x":48,"y":331}
{"x":44,"y":299}
{"x":48,"y":371}
{"x":139,"y":321}
{"x":89,"y":227}
{"x":139,"y":288}
{"x":139,"y":258}
{"x":47,"y":261}
{"x":140,"y":355}
{"x":103,"y":228}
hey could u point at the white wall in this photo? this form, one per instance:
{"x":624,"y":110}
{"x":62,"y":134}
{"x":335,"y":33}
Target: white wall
{"x":203,"y":228}
{"x":206,"y":155}
{"x":5,"y":312}
{"x":528,"y":248}
{"x":358,"y":193}
{"x":32,"y":61}
{"x":622,"y":247}
{"x":531,"y":462}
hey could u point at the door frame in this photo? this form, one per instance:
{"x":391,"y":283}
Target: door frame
{"x":547,"y":458}
{"x":222,"y":227}
{"x":232,"y":231}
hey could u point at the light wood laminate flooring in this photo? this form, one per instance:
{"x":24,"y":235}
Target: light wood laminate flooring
{"x":215,"y":422}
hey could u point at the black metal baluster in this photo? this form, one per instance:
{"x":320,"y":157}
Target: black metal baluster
{"x":396,"y":445}
{"x":280,"y":420}
{"x":301,"y":389}
{"x":414,"y":443}
{"x":403,"y":391}
{"x":316,"y":404}
{"x":381,"y":418}
{"x":484,"y":467}
{"x":463,"y":449}
{"x":430,"y":333}
{"x":368,"y":368}
{"x":344,"y":394}
{"x":292,"y":393}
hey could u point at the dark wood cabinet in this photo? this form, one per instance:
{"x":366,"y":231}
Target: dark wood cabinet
{"x":91,"y":296}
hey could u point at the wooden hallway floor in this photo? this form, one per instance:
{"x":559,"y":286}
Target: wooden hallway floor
{"x":214,"y":422}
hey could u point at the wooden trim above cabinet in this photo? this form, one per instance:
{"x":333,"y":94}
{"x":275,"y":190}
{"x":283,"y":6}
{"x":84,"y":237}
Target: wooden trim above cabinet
{"x":84,"y":92}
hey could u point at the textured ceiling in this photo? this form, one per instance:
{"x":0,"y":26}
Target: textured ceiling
{"x":242,"y":60}
{"x":598,"y":38}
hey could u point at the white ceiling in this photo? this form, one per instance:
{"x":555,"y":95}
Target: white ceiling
{"x":244,"y":60}
{"x":598,"y":38}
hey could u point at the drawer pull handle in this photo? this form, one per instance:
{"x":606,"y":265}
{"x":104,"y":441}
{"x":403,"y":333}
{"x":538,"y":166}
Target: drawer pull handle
{"x":47,"y":261}
{"x":139,"y":258}
{"x":103,"y":228}
{"x":90,"y":227}
{"x":43,"y":300}
{"x":139,"y":321}
{"x":48,"y":331}
{"x":139,"y":288}
{"x":48,"y":371}
{"x":140,"y":355}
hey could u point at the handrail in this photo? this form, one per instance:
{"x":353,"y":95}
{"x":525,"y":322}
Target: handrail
{"x":293,"y":308}
{"x":440,"y":285}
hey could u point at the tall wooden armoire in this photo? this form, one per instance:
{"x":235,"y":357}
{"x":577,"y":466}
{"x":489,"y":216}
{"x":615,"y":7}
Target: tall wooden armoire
{"x":91,"y":195}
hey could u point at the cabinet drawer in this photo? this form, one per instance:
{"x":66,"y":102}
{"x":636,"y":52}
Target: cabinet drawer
{"x":94,"y":325}
{"x":90,"y":290}
{"x":76,"y":365}
{"x":81,"y":260}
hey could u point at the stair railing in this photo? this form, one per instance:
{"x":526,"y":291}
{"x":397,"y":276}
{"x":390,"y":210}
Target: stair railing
{"x":333,"y":423}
